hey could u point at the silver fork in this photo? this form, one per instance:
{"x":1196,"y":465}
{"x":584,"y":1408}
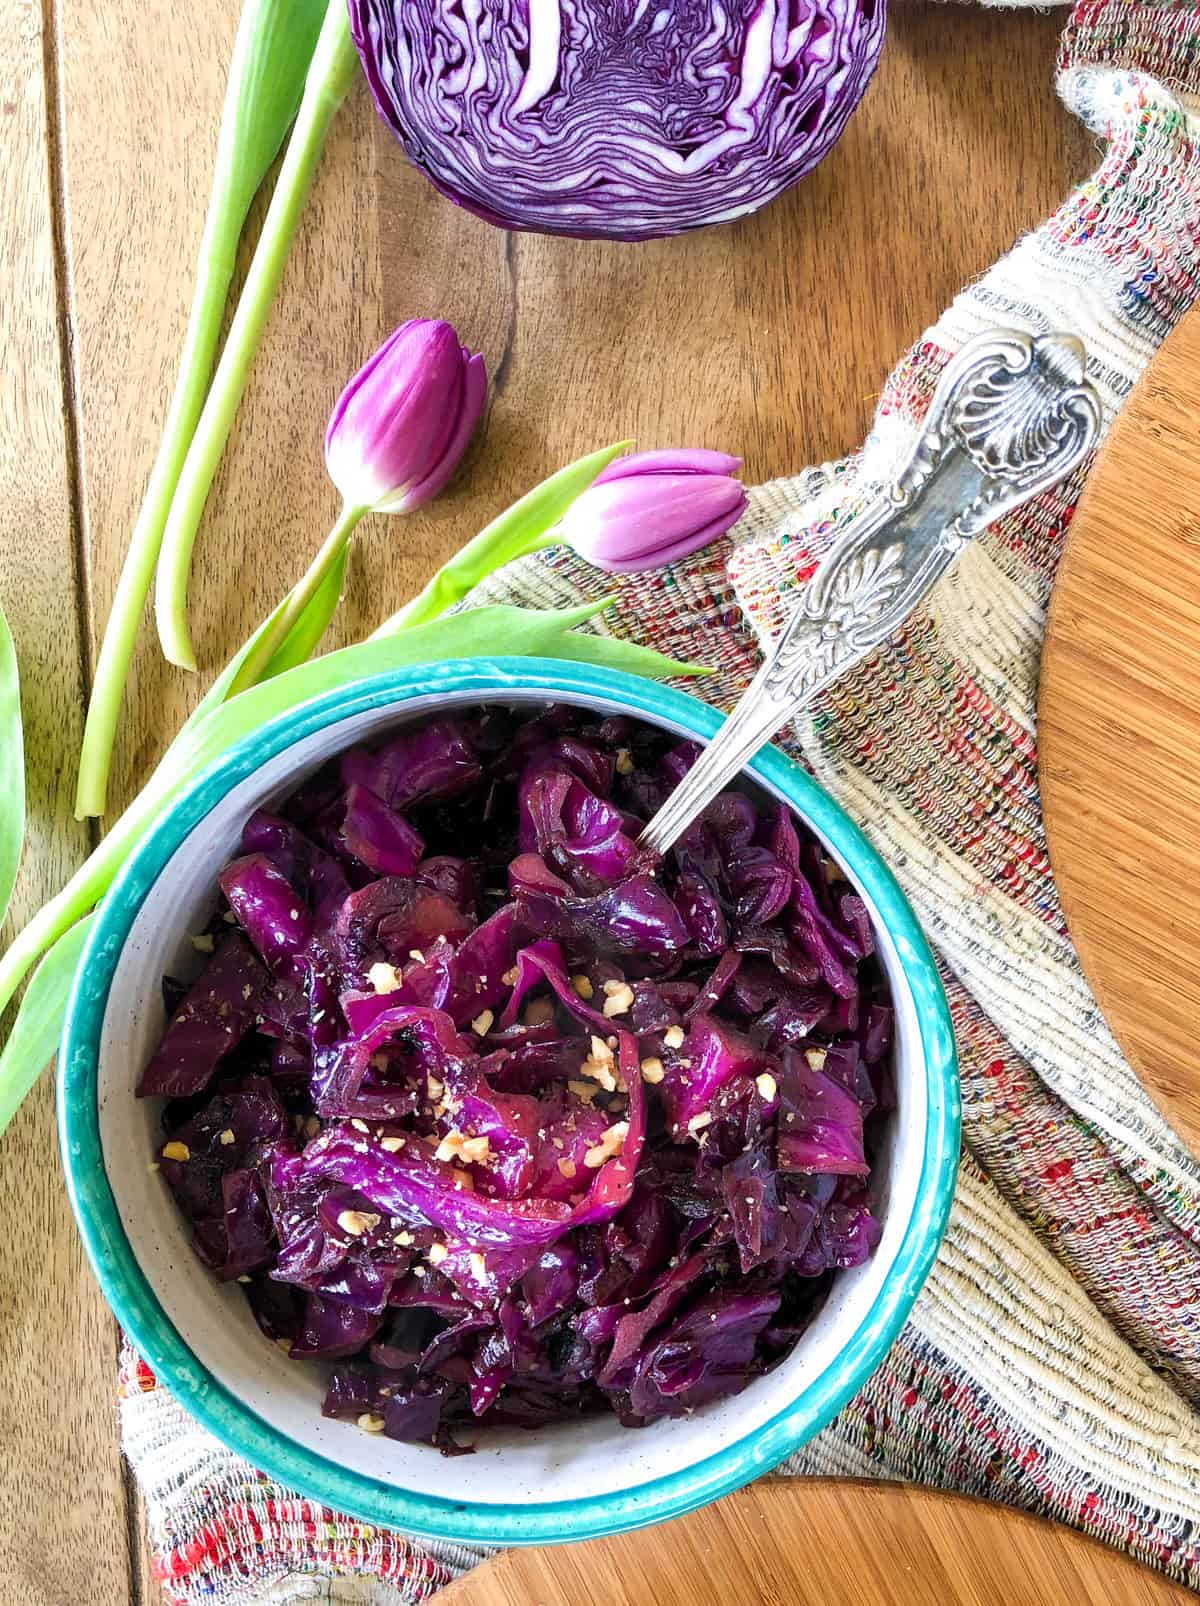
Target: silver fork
{"x":1012,"y":415}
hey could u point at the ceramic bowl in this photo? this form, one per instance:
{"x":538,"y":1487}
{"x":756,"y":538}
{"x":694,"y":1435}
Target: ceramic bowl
{"x":571,"y":1481}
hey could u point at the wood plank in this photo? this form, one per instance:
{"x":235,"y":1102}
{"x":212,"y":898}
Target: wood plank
{"x":1119,"y":729}
{"x":812,"y":1542}
{"x":62,"y":1528}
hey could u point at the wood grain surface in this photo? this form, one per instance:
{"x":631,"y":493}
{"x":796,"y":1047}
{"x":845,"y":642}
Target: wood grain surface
{"x":771,"y":338}
{"x":821,"y":1542}
{"x":1119,"y":729}
{"x":62,"y":1495}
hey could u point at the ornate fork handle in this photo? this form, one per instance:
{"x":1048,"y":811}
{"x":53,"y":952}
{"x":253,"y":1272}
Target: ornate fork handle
{"x":1012,"y":415}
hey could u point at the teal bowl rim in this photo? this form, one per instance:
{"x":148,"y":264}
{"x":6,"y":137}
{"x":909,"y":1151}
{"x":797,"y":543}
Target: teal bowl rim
{"x":373,"y":1500}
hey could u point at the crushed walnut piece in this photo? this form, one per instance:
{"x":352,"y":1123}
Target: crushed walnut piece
{"x":624,"y":761}
{"x":568,"y":1168}
{"x":358,"y":1222}
{"x":699,"y":1122}
{"x":583,"y":1090}
{"x":599,"y":1065}
{"x":766,"y":1085}
{"x":226,"y":1137}
{"x":391,"y":1145}
{"x":673,"y":1036}
{"x":482,"y":1024}
{"x":203,"y":943}
{"x":437,"y":1253}
{"x":815,"y":1058}
{"x":384,"y":978}
{"x":176,"y":1151}
{"x":458,"y":1145}
{"x":370,"y":1423}
{"x":618,"y":998}
{"x":581,"y":985}
{"x":652,"y":1069}
{"x":609,"y":1146}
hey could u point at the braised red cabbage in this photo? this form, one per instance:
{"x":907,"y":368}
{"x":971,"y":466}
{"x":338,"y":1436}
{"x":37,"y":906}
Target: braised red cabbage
{"x":504,"y":1120}
{"x":591,"y":118}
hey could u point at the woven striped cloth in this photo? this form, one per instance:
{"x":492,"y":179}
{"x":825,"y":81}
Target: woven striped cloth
{"x":1053,"y":1359}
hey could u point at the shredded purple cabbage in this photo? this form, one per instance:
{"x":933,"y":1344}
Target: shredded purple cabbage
{"x":540,"y":1128}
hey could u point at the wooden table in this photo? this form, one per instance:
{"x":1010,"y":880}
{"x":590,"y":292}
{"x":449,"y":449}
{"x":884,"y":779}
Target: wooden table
{"x":770,"y":338}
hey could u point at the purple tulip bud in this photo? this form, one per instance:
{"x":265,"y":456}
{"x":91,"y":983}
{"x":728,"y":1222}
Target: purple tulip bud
{"x":400,"y":426}
{"x":654,"y":507}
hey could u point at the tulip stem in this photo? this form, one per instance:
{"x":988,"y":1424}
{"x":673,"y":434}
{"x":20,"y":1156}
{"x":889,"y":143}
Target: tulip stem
{"x":329,"y":79}
{"x":120,"y":633}
{"x":297,"y":600}
{"x":272,"y":54}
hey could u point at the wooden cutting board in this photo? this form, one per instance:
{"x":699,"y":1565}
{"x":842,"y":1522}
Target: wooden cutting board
{"x":802,"y":1542}
{"x":1119,"y":730}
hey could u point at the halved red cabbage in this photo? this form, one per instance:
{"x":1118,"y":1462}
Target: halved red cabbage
{"x":587,"y":117}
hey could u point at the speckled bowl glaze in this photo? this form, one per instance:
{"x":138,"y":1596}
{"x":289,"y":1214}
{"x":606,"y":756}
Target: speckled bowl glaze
{"x":572,"y":1481}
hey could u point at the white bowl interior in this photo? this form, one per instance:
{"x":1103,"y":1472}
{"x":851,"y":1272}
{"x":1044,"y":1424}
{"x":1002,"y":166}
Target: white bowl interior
{"x":596,"y":1456}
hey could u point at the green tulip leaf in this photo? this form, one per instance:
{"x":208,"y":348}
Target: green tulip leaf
{"x":519,"y":530}
{"x":33,"y":1041}
{"x":514,"y":632}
